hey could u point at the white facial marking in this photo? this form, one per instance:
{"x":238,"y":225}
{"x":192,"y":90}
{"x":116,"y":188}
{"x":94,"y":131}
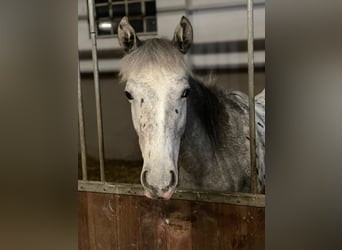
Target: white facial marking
{"x":159,"y":116}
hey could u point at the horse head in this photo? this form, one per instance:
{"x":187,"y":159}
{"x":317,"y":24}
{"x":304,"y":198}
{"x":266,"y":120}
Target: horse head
{"x":157,"y":87}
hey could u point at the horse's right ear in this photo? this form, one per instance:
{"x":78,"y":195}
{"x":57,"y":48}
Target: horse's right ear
{"x":127,"y":37}
{"x":183,"y":36}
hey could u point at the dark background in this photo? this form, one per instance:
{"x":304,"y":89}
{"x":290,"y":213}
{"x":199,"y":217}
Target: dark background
{"x":39,"y":131}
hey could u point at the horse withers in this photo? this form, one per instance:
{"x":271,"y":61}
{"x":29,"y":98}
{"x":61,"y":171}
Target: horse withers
{"x":190,"y":134}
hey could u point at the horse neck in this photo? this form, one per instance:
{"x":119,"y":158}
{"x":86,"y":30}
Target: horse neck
{"x":204,"y":109}
{"x":201,"y":135}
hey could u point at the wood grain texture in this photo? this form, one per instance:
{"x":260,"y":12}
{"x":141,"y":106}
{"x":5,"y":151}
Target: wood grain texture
{"x":83,"y":230}
{"x":111,"y":221}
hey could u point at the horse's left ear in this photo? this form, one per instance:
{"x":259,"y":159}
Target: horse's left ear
{"x":128,"y":39}
{"x":183,"y":36}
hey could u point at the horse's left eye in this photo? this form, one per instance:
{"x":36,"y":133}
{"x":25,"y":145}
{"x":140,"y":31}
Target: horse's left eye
{"x":128,"y":95}
{"x":186,"y":93}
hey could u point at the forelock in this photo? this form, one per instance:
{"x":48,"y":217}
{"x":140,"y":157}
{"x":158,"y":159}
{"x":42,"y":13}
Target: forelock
{"x":155,"y":54}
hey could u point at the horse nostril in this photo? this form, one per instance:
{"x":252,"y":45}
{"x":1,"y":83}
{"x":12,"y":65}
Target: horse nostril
{"x":143,"y":179}
{"x":155,"y":191}
{"x":172,"y":182}
{"x":173,"y":179}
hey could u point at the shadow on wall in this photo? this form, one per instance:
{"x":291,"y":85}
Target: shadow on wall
{"x":120,"y":139}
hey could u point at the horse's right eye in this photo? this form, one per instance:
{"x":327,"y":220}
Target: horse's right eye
{"x":128,"y":95}
{"x":186,"y":93}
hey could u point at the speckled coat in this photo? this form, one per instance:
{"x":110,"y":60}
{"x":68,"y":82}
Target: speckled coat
{"x":214,"y":152}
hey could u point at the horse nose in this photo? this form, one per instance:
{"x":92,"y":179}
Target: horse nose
{"x":144,"y":179}
{"x":154,"y":191}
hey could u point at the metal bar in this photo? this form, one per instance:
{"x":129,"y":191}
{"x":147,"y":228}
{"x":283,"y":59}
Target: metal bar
{"x":188,"y":14}
{"x":97,"y":87}
{"x":81,"y":127}
{"x":212,"y":7}
{"x":110,"y":6}
{"x":243,"y":199}
{"x":143,"y":14}
{"x":251,"y":98}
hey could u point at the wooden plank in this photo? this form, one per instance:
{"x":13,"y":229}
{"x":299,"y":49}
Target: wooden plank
{"x":91,"y":210}
{"x":178,"y":226}
{"x":205,"y":226}
{"x":256,"y":227}
{"x":152,"y":228}
{"x":233,"y":230}
{"x":102,"y":221}
{"x":108,"y":221}
{"x":83,"y":230}
{"x":128,"y":222}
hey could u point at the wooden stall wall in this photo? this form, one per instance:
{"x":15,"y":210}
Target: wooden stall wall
{"x":110,"y":221}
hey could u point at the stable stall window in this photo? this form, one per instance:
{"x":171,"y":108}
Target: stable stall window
{"x":141,"y":13}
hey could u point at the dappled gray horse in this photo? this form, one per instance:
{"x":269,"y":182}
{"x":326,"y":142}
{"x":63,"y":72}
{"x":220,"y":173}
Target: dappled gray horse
{"x":190,"y":134}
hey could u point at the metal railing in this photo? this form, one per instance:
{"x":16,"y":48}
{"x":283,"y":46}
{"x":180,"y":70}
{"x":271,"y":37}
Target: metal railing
{"x":97,"y":86}
{"x":81,"y":127}
{"x":248,"y":199}
{"x":250,"y":40}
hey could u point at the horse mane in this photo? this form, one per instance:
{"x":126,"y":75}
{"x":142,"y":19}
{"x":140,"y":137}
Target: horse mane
{"x":209,"y":101}
{"x":205,"y":104}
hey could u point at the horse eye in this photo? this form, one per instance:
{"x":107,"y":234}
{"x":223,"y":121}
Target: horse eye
{"x":128,"y":95}
{"x":186,"y":93}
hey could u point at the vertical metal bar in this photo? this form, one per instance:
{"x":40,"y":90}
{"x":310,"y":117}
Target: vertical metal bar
{"x":81,"y":127}
{"x":188,"y":5}
{"x":110,"y":6}
{"x":188,"y":14}
{"x":97,"y":87}
{"x":143,"y":15}
{"x":250,"y":29}
{"x":126,"y":9}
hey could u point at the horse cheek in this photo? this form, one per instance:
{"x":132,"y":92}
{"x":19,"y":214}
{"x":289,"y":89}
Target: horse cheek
{"x":135,"y":119}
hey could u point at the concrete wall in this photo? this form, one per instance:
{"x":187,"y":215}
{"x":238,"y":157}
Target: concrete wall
{"x":119,"y":135}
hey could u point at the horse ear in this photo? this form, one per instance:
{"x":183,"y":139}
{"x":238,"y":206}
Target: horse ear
{"x":183,"y":35}
{"x":127,"y":37}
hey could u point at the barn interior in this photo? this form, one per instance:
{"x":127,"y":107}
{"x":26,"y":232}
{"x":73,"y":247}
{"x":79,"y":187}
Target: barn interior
{"x":218,"y":55}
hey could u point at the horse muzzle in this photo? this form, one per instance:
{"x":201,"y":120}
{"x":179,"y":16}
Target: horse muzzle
{"x":154,"y":191}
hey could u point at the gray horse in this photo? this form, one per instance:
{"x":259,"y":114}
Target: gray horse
{"x":190,"y":134}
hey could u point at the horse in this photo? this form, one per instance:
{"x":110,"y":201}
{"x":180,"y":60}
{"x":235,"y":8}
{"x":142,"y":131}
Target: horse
{"x":191,"y":135}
